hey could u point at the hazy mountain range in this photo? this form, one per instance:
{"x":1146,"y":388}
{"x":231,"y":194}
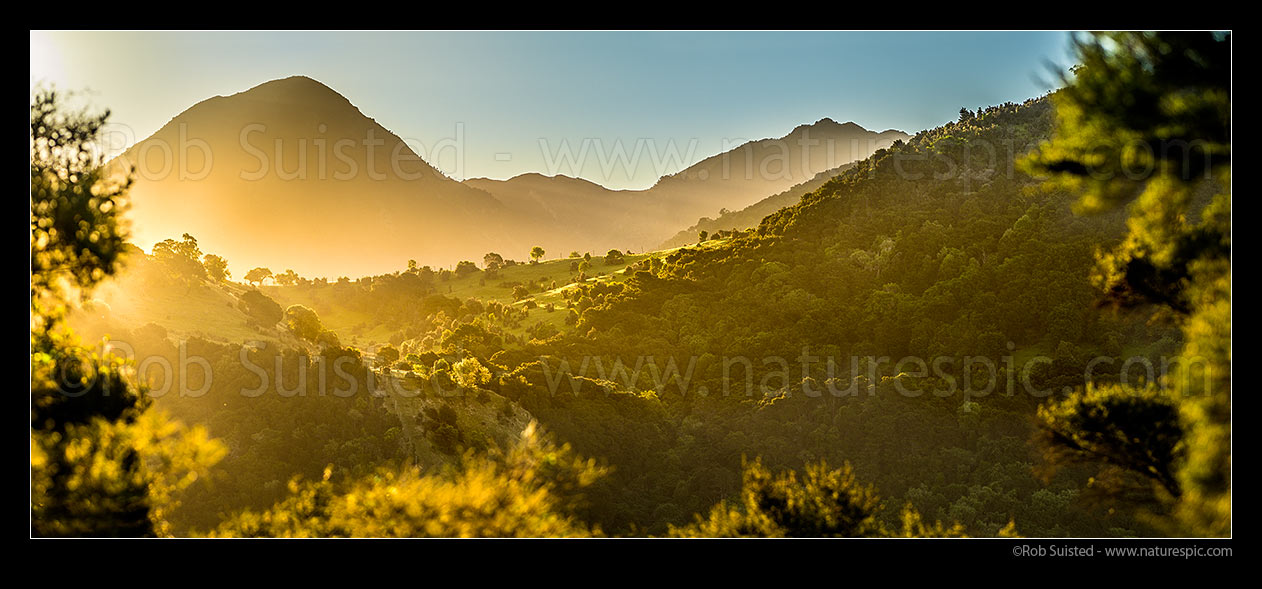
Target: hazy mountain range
{"x":291,"y":161}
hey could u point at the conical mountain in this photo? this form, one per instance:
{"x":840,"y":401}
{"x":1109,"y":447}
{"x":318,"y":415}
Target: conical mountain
{"x":291,"y":174}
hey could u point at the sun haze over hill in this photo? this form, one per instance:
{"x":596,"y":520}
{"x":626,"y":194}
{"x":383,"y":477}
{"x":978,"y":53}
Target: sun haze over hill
{"x":597,"y":218}
{"x":290,"y":173}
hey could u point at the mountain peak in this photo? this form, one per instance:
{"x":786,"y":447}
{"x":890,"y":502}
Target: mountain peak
{"x":829,"y":123}
{"x":296,"y":88}
{"x":296,"y":81}
{"x":848,"y":125}
{"x":297,"y":149}
{"x":560,"y":179}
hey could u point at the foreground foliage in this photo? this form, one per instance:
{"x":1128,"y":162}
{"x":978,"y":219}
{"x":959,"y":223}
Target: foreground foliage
{"x":825,"y":503}
{"x":525,"y":492}
{"x":1145,"y":125}
{"x":101,"y":465}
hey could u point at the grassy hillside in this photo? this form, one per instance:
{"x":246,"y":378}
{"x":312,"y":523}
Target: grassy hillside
{"x":143,"y":294}
{"x":361,"y":327}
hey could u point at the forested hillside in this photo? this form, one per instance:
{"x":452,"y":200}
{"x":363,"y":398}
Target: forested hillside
{"x":888,"y":260}
{"x":750,"y":216}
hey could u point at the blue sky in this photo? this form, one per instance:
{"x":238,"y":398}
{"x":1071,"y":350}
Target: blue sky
{"x":507,"y":97}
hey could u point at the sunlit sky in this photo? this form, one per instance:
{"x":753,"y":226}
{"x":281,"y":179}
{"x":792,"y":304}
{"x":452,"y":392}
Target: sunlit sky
{"x":503,"y":94}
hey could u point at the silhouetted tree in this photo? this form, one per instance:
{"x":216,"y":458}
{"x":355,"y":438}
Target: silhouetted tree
{"x":286,"y":278}
{"x":492,"y":261}
{"x":257,"y":275}
{"x":183,"y":259}
{"x":216,"y":267}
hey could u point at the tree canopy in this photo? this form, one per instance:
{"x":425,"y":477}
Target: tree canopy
{"x":1145,"y":123}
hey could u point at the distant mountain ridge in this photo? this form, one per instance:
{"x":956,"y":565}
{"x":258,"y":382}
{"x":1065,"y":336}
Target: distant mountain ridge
{"x":298,"y":177}
{"x":733,"y":179}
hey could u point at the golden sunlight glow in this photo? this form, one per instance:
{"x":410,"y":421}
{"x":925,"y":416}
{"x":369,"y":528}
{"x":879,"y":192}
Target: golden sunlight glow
{"x":46,"y":60}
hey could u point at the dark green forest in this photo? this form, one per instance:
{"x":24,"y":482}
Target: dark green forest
{"x":994,"y":328}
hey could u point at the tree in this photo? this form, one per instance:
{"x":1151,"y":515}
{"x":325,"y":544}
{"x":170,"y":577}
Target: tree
{"x":65,"y":167}
{"x":388,"y":355}
{"x":1099,"y":424}
{"x":492,"y":261}
{"x":181,"y":258}
{"x":530,"y":490}
{"x":286,"y":278}
{"x":470,"y":374}
{"x":101,"y":463}
{"x":257,"y":275}
{"x":536,"y":253}
{"x":1145,"y":123}
{"x":328,"y":339}
{"x":216,"y":267}
{"x":613,"y":257}
{"x":465,"y":268}
{"x":520,"y":292}
{"x":574,"y":254}
{"x":261,"y":308}
{"x":703,"y":235}
{"x":824,"y":503}
{"x":303,"y":322}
